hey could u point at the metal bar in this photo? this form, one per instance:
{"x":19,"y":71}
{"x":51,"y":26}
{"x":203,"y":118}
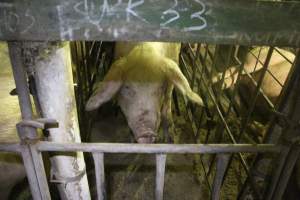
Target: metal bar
{"x":271,"y":105}
{"x":290,"y":61}
{"x":222,"y":163}
{"x":206,"y":20}
{"x":157,"y":148}
{"x":290,"y":91}
{"x":100,"y":175}
{"x":269,"y":72}
{"x":10,"y":147}
{"x":31,"y":172}
{"x":219,"y":112}
{"x":40,"y":172}
{"x":160,"y":176}
{"x":286,"y":172}
{"x":253,"y":100}
{"x":276,"y":175}
{"x":15,"y":53}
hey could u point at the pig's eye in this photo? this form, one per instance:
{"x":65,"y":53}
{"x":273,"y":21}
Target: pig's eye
{"x":128,"y":91}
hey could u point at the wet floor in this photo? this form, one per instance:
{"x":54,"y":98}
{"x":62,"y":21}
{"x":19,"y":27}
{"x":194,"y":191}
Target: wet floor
{"x":9,"y":107}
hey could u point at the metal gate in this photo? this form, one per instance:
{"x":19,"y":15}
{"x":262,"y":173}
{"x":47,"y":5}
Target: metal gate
{"x":74,"y":21}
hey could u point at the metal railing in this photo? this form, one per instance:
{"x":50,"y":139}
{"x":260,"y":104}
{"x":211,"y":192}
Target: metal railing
{"x":222,"y":151}
{"x":31,"y":148}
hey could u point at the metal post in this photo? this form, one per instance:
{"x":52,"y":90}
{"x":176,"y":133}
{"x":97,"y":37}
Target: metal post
{"x":160,"y":176}
{"x":100,"y":175}
{"x":26,"y":111}
{"x":54,"y":85}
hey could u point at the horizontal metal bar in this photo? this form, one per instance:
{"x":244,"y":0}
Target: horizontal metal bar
{"x":157,"y":148}
{"x":211,"y":21}
{"x":10,"y":147}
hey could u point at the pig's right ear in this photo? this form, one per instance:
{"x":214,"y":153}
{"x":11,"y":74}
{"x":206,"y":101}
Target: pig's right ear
{"x":180,"y":82}
{"x":108,"y":87}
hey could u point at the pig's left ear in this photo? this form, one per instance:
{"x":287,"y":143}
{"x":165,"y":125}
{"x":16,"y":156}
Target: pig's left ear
{"x":110,"y":85}
{"x":180,"y":82}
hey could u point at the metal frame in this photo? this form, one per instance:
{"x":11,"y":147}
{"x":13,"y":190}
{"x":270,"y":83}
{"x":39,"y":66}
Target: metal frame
{"x":31,"y":148}
{"x":40,"y":190}
{"x":77,"y":20}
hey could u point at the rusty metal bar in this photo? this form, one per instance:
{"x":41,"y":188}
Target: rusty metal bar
{"x":160,"y":176}
{"x":222,"y":163}
{"x":100,"y":175}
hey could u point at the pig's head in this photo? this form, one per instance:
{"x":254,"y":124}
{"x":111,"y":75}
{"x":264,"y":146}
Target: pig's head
{"x":141,"y":87}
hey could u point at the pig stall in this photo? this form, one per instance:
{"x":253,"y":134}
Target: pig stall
{"x":213,"y":115}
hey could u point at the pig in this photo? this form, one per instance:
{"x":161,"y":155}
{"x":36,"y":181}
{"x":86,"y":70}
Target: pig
{"x":143,"y":77}
{"x":279,"y":67}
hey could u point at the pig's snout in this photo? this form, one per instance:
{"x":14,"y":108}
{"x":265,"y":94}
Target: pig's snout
{"x":146,"y":137}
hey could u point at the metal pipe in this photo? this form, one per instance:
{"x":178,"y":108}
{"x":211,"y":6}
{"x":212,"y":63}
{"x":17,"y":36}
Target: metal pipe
{"x":157,"y":148}
{"x":40,"y":172}
{"x":15,"y":53}
{"x":10,"y":147}
{"x":160,"y":176}
{"x":100,"y":175}
{"x":31,"y":173}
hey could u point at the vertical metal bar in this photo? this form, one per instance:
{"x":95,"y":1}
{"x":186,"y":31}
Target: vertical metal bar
{"x":222,"y":163}
{"x":160,"y":176}
{"x":248,"y":116}
{"x":280,"y":165}
{"x":30,"y":172}
{"x":100,"y":175}
{"x":286,"y":173}
{"x":40,"y":172}
{"x":15,"y":53}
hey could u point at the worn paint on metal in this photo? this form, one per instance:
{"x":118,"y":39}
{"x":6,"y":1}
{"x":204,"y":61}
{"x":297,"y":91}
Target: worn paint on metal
{"x":212,"y":21}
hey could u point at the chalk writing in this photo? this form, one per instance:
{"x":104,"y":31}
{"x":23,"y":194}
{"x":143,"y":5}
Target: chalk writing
{"x":130,"y":11}
{"x":171,"y":11}
{"x":198,"y":15}
{"x":15,"y":22}
{"x":174,"y":15}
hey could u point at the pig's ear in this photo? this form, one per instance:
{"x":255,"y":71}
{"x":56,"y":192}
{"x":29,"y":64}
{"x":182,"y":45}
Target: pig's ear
{"x":180,"y":82}
{"x":106,"y":89}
